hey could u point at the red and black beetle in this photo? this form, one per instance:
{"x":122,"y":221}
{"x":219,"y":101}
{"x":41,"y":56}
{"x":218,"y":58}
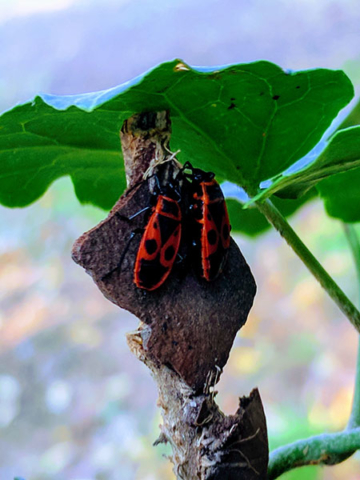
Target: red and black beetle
{"x":206,"y":220}
{"x":161,"y":236}
{"x":209,"y":222}
{"x":159,"y":244}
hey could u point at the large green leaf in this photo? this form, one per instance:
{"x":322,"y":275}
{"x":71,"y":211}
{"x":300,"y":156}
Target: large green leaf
{"x":39,"y":144}
{"x":245,"y":122}
{"x":341,"y":154}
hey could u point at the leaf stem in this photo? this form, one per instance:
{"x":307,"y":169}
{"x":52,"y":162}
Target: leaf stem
{"x":324,"y":449}
{"x":334,"y":291}
{"x":354,"y":243}
{"x":354,"y":420}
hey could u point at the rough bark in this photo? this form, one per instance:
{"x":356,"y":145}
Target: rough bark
{"x":188,"y":324}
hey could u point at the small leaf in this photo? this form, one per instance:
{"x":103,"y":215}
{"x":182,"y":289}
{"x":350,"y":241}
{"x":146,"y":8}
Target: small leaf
{"x":352,"y":119}
{"x":341,"y":195}
{"x":251,"y":222}
{"x":245,"y":122}
{"x":341,"y":154}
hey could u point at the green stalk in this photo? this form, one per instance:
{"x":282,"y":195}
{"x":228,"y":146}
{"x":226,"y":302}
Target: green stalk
{"x":354,"y":420}
{"x":324,"y":449}
{"x":333,"y":290}
{"x":354,"y":243}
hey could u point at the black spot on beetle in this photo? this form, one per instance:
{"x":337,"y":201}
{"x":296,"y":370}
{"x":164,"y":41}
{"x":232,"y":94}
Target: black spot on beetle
{"x":151,"y":246}
{"x":169,"y":253}
{"x":212,"y":237}
{"x":231,"y":106}
{"x":276,"y":97}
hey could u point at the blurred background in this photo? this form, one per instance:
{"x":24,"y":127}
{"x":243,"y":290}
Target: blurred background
{"x":74,"y":403}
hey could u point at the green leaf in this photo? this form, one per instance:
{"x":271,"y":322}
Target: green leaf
{"x":341,"y":195}
{"x":352,"y":119}
{"x":39,"y":144}
{"x":244,"y":122}
{"x":341,"y":154}
{"x":251,"y":222}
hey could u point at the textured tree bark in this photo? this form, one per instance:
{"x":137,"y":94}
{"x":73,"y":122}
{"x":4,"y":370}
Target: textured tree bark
{"x":188,"y":325}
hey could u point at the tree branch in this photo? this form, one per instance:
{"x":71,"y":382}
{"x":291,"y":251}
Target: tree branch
{"x":188,"y":325}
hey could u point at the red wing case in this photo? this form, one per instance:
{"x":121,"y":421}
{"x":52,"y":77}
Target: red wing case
{"x":159,"y":244}
{"x":212,"y":228}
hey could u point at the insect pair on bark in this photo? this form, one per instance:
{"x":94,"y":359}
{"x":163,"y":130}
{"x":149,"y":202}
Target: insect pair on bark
{"x":192,"y":201}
